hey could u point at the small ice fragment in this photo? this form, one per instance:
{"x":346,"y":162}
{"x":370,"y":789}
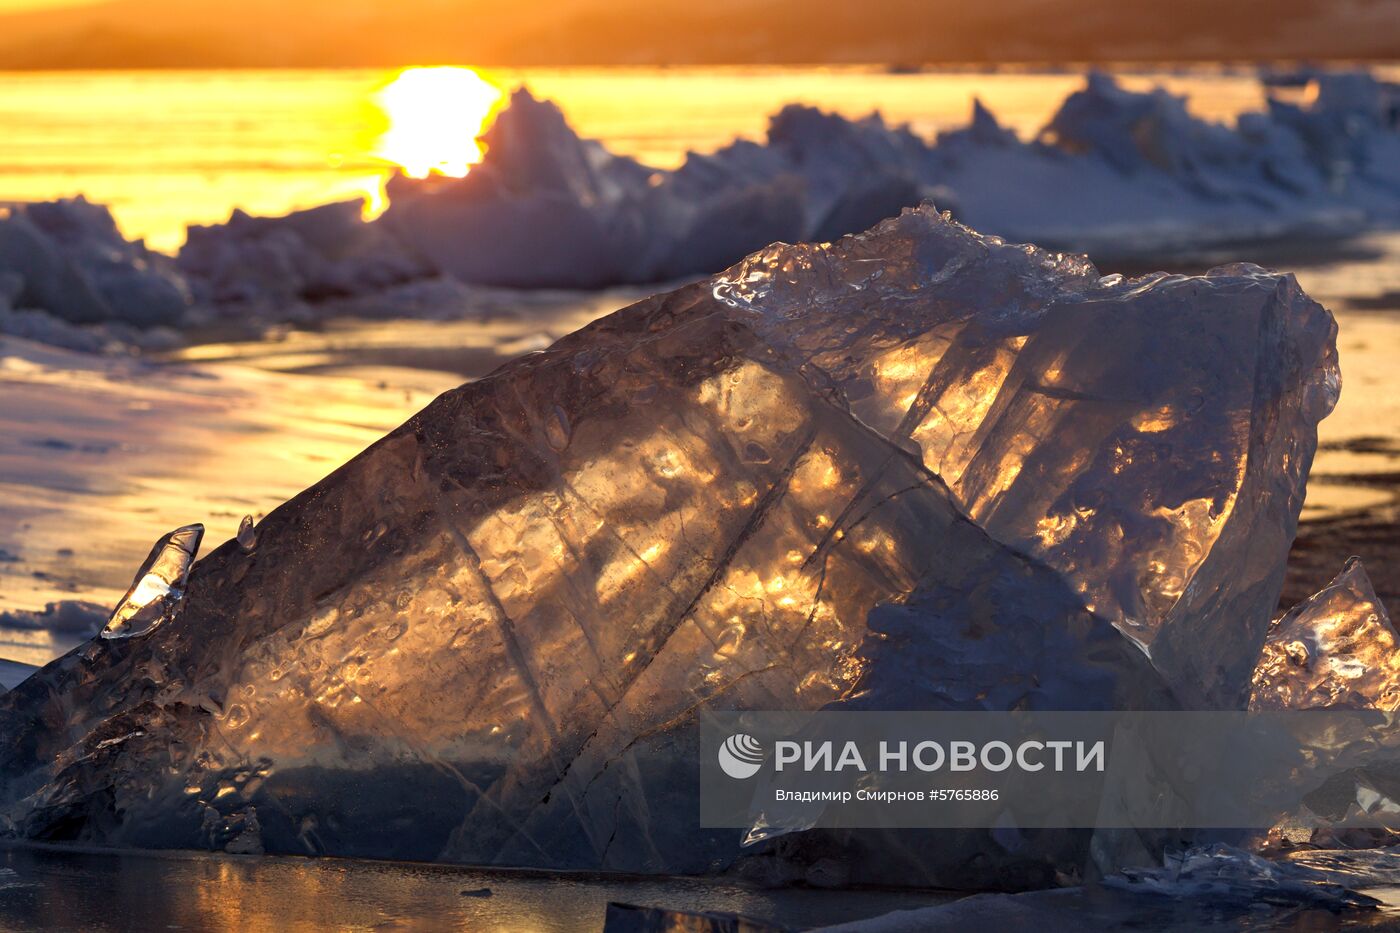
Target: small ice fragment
{"x":247,"y":537}
{"x":1334,"y":650}
{"x":477,"y":892}
{"x":159,"y":587}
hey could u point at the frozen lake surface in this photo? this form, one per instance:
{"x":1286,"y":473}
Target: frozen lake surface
{"x":89,"y":891}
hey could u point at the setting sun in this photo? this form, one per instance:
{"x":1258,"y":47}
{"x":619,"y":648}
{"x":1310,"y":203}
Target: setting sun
{"x":435,"y":116}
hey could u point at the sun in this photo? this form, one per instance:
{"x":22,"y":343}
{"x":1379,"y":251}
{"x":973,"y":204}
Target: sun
{"x":435,"y":116}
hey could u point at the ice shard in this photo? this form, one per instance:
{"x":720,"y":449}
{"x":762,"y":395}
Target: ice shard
{"x":1335,"y":650}
{"x":247,"y":536}
{"x":1150,"y":439}
{"x":159,"y":588}
{"x":488,"y":638}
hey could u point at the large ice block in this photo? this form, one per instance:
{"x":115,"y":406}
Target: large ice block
{"x":488,"y":637}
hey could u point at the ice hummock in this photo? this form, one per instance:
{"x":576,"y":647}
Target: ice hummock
{"x":272,"y":265}
{"x":68,"y":259}
{"x":1123,"y":175}
{"x":73,"y":617}
{"x":487,"y":638}
{"x":158,"y":590}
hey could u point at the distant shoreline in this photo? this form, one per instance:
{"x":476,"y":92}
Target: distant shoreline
{"x":1027,"y":66}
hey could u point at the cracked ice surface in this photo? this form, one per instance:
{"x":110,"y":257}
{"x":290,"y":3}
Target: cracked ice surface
{"x":488,"y":637}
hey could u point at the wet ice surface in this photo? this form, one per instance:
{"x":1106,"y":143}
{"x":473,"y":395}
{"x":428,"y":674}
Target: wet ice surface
{"x":98,"y":457}
{"x":99,"y":891}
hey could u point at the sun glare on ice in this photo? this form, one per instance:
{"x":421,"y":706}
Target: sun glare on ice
{"x":435,"y":116}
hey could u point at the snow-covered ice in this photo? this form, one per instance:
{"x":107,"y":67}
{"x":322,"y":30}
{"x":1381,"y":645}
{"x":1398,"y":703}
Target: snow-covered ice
{"x":271,"y":264}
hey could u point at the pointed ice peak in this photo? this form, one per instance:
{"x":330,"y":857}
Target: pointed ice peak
{"x":986,"y":129}
{"x":1336,"y":649}
{"x":159,"y":588}
{"x":531,"y":147}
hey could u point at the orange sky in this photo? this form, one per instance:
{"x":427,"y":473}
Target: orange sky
{"x":15,"y":6}
{"x":390,"y":33}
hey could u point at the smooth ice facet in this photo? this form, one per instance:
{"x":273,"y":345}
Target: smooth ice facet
{"x":159,"y":588}
{"x":1335,"y":650}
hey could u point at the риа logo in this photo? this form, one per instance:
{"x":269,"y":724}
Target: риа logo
{"x":741,"y":756}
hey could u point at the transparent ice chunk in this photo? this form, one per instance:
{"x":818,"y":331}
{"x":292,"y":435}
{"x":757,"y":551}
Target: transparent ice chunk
{"x":1335,"y":650}
{"x":159,"y":588}
{"x":247,"y":535}
{"x":495,"y":629}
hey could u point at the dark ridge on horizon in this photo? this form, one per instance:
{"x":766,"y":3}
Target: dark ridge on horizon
{"x":373,"y":33}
